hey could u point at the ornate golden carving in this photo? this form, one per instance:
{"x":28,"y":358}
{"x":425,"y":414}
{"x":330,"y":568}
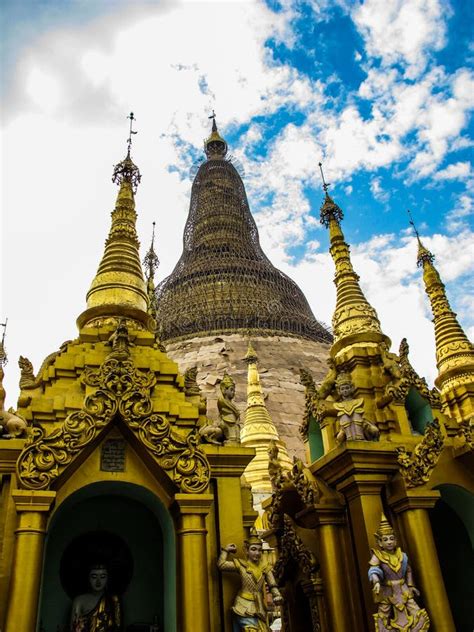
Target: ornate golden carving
{"x":120,"y":389}
{"x":305,"y":483}
{"x":403,"y":377}
{"x":314,"y":397}
{"x":416,"y":468}
{"x":294,"y":553}
{"x":466,"y":434}
{"x":275,"y":470}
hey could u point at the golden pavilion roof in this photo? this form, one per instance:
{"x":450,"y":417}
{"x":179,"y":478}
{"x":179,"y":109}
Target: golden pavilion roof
{"x":223,"y":281}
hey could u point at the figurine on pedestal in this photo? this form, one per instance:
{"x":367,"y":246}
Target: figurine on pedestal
{"x":228,"y":411}
{"x":96,"y":610}
{"x":392,"y":584}
{"x":350,"y":414}
{"x":249,"y":612}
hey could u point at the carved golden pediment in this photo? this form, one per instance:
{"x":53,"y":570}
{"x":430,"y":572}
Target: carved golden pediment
{"x":121,"y":392}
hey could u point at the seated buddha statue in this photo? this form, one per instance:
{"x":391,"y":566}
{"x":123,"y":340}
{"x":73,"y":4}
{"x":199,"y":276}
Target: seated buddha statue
{"x":96,"y":610}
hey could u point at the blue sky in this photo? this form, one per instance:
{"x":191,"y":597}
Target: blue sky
{"x":382,"y":92}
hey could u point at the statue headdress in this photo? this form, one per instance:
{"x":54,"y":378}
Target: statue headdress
{"x":253,"y":539}
{"x":343,"y":378}
{"x":385,"y":528}
{"x":226,"y":382}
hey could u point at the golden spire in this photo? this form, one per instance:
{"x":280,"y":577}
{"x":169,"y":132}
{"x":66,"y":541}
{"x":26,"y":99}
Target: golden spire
{"x":215,"y":146}
{"x":353,"y":314}
{"x":258,"y":430}
{"x":118,"y":289}
{"x":454,"y":351}
{"x":151,"y":263}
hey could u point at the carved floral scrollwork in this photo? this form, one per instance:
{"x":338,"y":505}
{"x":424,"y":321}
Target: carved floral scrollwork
{"x":416,"y":468}
{"x":120,"y":389}
{"x":293,"y":552}
{"x":403,"y":377}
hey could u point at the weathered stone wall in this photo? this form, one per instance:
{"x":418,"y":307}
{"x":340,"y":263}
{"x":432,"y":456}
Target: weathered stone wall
{"x":280,"y":359}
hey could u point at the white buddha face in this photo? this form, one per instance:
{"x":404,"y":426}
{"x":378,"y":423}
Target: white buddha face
{"x":98,"y":578}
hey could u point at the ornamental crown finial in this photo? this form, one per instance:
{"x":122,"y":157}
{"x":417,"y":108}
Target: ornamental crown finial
{"x":215,"y":146}
{"x":329,"y":209}
{"x":385,"y":528}
{"x":424,"y":255}
{"x":127,"y":170}
{"x":151,"y":260}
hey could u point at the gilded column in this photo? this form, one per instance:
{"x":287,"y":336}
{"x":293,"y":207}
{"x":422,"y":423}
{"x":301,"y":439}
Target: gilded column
{"x":334,"y":568}
{"x":191,"y":511}
{"x":32,"y":508}
{"x":412,"y":507}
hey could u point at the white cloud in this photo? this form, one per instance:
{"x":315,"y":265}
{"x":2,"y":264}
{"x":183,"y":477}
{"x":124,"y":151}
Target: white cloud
{"x":456,"y":218}
{"x":403,"y":32}
{"x":377,"y":190}
{"x":454,"y":171}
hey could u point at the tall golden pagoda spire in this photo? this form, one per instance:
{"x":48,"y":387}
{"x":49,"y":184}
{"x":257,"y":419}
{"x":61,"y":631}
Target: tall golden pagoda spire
{"x":258,"y":430}
{"x":119,"y":289}
{"x":353,"y":314}
{"x":454,"y":351}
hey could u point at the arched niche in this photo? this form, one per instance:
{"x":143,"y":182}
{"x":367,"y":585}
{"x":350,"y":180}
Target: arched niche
{"x":139,"y":518}
{"x":452,"y":521}
{"x":315,"y":438}
{"x":418,"y":411}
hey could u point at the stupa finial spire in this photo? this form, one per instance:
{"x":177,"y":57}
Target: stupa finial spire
{"x":127,"y":171}
{"x":423,"y":253}
{"x":353,"y":314}
{"x":454,"y":351}
{"x":215,"y":146}
{"x":258,"y":429}
{"x":118,"y":289}
{"x":151,"y":263}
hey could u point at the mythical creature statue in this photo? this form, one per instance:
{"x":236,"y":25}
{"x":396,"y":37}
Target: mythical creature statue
{"x":350,"y":414}
{"x":27,"y":375}
{"x":191,"y":387}
{"x":392,"y":585}
{"x":228,"y":412}
{"x":249,"y":613}
{"x":11,"y":425}
{"x":96,"y":610}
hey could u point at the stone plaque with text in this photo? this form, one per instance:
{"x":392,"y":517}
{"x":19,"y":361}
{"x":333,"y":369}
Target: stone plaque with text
{"x":112,"y":457}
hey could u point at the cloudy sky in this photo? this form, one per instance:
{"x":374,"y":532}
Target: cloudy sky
{"x":380,"y":91}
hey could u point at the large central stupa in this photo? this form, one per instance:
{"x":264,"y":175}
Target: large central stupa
{"x":223,"y":281}
{"x":225,"y":289}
